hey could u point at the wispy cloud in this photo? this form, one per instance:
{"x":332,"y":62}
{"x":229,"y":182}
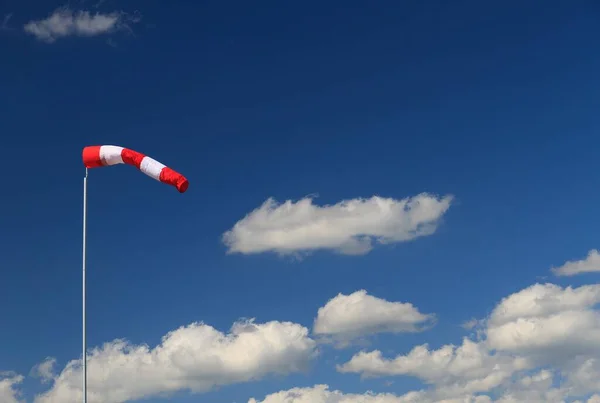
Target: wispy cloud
{"x":44,"y":370}
{"x":65,"y":22}
{"x":4,"y":26}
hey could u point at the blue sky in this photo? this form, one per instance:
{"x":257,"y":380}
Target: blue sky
{"x":494,"y":104}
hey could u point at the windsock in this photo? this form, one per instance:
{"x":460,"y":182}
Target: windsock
{"x":99,"y":156}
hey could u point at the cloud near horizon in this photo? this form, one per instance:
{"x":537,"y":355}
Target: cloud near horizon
{"x":349,"y":227}
{"x":8,"y":383}
{"x":196,"y":358}
{"x":532,"y":339}
{"x":541,"y":334}
{"x":530,"y":389}
{"x":65,"y":22}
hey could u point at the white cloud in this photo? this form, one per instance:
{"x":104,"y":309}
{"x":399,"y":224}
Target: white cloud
{"x":591,"y":264}
{"x":322,"y":394}
{"x":348,"y":317}
{"x":195,"y":358}
{"x":44,"y":370}
{"x":8,"y":381}
{"x":348,"y":227}
{"x":536,"y":388}
{"x":582,"y":374}
{"x":470,"y":324}
{"x":542,"y":300}
{"x":548,"y":321}
{"x":64,"y":22}
{"x":466,"y":369}
{"x":547,"y":329}
{"x":538,"y":345}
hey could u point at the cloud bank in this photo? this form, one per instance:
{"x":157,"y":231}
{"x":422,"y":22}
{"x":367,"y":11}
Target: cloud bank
{"x":539,"y":335}
{"x":531,"y":389}
{"x":348,"y":227}
{"x":539,"y":344}
{"x":196,"y":358}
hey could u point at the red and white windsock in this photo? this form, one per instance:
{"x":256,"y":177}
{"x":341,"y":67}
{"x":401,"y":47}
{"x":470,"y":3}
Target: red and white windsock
{"x":99,"y":156}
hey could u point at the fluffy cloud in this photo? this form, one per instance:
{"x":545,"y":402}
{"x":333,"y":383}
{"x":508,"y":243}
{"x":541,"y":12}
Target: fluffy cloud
{"x":547,"y":321}
{"x":64,"y":22}
{"x":8,"y":381}
{"x":539,"y":335}
{"x":195,"y":358}
{"x":348,"y":317}
{"x":348,"y":227}
{"x":466,"y":369}
{"x":590,"y":264}
{"x":538,"y":345}
{"x":582,"y":374}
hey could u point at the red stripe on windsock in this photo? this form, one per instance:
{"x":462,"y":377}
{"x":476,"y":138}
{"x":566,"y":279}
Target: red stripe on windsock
{"x":132,"y":157}
{"x":91,"y":157}
{"x":170,"y":177}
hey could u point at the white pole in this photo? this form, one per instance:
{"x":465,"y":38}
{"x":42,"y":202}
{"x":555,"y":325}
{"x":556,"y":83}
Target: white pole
{"x":84,"y":356}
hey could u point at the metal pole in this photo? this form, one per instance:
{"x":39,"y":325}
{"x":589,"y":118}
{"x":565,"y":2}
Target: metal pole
{"x":84,"y":357}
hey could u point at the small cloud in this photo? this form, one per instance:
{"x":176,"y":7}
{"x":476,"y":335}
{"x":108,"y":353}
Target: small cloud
{"x":64,"y":22}
{"x":44,"y":370}
{"x":470,"y":324}
{"x":347,"y":319}
{"x":590,"y":264}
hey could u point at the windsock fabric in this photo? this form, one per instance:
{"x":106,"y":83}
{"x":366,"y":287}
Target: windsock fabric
{"x":99,"y":156}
